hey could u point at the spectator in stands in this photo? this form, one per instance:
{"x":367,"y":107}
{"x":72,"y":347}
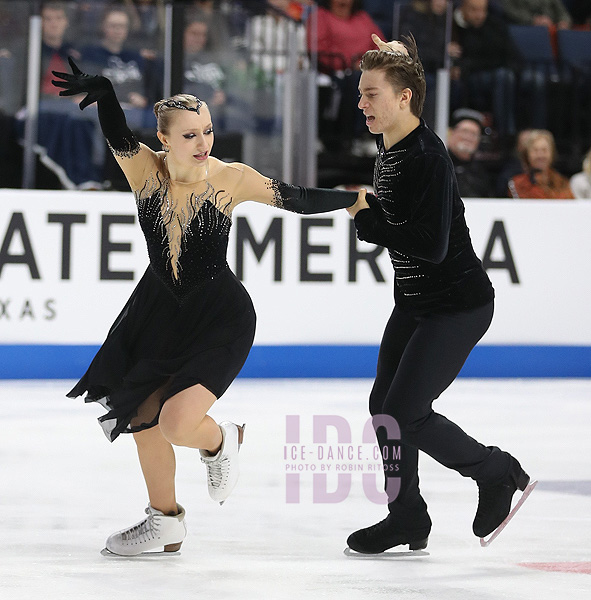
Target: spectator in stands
{"x":485,"y":58}
{"x":344,"y":34}
{"x":580,"y":183}
{"x":549,"y":13}
{"x":13,"y":52}
{"x":203,"y":76}
{"x":64,"y":134}
{"x":540,"y":180}
{"x":132,"y":75}
{"x":463,"y":140}
{"x":513,"y":166}
{"x":219,"y":26}
{"x":426,"y":21}
{"x":54,"y":47}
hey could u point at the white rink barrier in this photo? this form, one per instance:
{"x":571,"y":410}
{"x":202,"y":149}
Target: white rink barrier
{"x":69,"y":260}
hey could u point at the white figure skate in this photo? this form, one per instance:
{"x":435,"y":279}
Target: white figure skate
{"x":222,"y":468}
{"x":156,"y":534}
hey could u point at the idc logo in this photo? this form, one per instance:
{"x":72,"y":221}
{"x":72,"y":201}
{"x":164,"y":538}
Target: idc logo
{"x":334,"y":461}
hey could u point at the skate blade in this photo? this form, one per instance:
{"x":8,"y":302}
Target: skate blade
{"x":387,"y":554}
{"x":526,"y":492}
{"x":149,"y":554}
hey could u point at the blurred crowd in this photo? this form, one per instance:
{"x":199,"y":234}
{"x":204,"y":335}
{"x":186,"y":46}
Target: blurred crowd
{"x":519,"y":102}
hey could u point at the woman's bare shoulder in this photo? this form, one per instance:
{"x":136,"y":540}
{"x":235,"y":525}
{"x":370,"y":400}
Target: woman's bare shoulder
{"x":226,"y":168}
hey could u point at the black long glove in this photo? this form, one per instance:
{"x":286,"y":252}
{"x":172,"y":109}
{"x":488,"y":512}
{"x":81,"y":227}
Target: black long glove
{"x":95,"y":86}
{"x":99,"y":89}
{"x":309,"y":201}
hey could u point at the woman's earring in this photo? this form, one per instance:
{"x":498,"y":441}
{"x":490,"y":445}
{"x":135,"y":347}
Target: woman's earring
{"x":165,"y":148}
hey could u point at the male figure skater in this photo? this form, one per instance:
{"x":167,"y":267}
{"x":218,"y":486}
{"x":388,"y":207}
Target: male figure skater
{"x":443,"y":306}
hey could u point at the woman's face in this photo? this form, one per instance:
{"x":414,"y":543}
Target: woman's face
{"x":539,"y":154}
{"x":195,"y":36}
{"x":341,"y":6}
{"x":190,"y":137}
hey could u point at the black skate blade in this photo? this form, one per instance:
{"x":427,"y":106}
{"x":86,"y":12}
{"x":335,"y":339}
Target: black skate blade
{"x":387,"y":554}
{"x":149,"y":554}
{"x":493,"y":536}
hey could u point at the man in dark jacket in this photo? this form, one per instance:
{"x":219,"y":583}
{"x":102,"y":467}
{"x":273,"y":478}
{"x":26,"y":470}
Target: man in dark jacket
{"x":485,"y":58}
{"x":463,"y":140}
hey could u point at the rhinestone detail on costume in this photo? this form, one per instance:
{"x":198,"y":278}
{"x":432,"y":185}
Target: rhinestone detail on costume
{"x":129,"y":148}
{"x":186,"y":233}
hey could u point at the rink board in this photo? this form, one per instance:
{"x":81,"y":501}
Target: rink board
{"x":69,"y":260}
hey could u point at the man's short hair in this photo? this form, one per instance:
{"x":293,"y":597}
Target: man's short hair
{"x":401,"y":70}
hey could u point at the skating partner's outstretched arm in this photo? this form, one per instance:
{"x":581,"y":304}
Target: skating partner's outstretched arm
{"x":138,"y":162}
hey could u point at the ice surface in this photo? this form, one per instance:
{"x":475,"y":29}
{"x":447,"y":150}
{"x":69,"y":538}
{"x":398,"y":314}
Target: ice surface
{"x":64,"y":489}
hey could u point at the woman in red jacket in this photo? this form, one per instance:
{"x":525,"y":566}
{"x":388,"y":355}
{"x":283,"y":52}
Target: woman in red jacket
{"x":540,"y":181}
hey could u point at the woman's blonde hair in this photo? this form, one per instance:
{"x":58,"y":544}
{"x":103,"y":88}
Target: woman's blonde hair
{"x":533,"y":136}
{"x":165,"y":108}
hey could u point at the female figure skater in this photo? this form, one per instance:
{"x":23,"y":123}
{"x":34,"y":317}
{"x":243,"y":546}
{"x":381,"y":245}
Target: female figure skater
{"x":443,"y":306}
{"x":188,"y":327}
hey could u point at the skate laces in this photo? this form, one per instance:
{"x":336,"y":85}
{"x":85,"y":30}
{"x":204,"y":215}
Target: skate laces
{"x":217,"y":471}
{"x":144,"y":530}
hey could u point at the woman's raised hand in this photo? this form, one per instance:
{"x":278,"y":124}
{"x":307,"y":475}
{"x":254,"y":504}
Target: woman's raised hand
{"x":77,"y":82}
{"x":393,"y":46}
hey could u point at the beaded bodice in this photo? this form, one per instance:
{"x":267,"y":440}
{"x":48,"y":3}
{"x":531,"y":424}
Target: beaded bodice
{"x":419,"y":216}
{"x":186,"y":230}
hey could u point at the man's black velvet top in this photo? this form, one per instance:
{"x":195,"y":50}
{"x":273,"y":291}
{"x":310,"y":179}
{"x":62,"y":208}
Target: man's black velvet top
{"x":418,"y":216}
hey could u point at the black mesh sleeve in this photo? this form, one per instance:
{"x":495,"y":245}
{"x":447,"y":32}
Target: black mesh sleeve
{"x":309,"y":201}
{"x":120,"y":138}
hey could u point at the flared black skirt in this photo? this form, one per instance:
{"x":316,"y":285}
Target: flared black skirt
{"x":158,"y":346}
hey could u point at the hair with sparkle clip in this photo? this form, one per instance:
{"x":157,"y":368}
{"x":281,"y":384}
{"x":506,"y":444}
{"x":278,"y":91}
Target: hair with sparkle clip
{"x":163,"y":109}
{"x":177,"y":104}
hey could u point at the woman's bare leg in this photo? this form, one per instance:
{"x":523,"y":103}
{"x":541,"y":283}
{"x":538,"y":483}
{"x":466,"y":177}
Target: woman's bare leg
{"x":184,"y":420}
{"x":159,"y":467}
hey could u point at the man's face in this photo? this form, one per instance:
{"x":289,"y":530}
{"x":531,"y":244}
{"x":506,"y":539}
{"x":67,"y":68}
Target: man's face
{"x":475,"y":12}
{"x":464,"y":139}
{"x":53,"y":22}
{"x":378,"y":101}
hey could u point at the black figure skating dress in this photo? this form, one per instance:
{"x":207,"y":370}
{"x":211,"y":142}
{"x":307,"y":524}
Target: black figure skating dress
{"x":189,"y":320}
